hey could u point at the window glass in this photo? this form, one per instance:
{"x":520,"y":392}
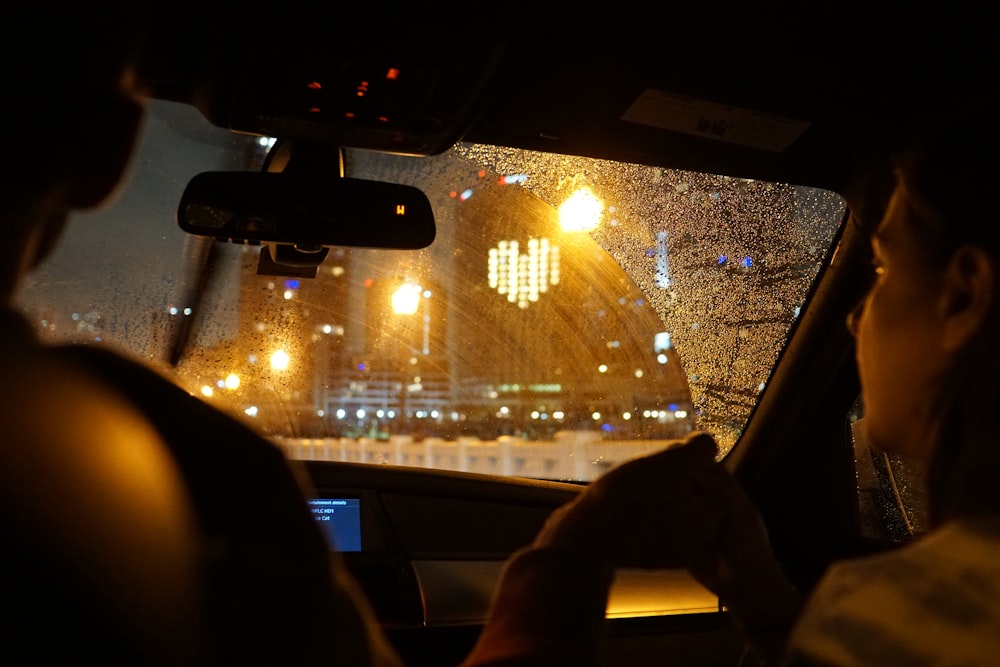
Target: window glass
{"x":892,"y":495}
{"x":571,"y":313}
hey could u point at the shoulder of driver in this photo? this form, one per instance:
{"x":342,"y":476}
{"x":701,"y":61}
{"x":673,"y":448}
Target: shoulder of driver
{"x":85,"y":477}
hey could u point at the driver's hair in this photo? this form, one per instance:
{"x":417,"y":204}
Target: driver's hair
{"x":949,"y":202}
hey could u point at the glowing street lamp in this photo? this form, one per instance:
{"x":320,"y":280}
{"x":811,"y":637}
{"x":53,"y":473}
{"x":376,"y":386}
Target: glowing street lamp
{"x":581,"y":212}
{"x":280,"y":360}
{"x":406,"y":299}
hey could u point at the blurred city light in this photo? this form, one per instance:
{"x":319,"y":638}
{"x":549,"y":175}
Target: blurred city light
{"x":581,"y":212}
{"x":522,"y":277}
{"x":279,"y":360}
{"x":406,"y":299}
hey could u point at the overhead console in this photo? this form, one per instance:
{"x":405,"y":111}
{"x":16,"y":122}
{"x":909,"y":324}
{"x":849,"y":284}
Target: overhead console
{"x":363,"y":85}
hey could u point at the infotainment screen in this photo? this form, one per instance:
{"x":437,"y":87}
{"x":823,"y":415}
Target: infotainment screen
{"x":340,"y":519}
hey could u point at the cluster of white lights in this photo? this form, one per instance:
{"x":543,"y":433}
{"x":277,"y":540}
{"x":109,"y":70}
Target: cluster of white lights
{"x":522,"y":277}
{"x":664,"y":414}
{"x":341,"y":413}
{"x":558,"y":415}
{"x":230,"y":382}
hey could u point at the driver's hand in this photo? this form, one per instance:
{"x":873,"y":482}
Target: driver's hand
{"x":649,"y":512}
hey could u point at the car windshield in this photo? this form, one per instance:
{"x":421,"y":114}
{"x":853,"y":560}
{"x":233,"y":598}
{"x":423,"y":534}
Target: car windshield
{"x":571,"y":313}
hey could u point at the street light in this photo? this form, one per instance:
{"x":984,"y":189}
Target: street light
{"x":406,"y":298}
{"x":279,"y":360}
{"x":406,"y":301}
{"x":581,"y":212}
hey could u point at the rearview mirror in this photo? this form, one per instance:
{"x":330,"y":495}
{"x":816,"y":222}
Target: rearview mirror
{"x":305,"y":210}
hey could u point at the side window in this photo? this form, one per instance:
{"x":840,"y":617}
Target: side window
{"x":891,"y":496}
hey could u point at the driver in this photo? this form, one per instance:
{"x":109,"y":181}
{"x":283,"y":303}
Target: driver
{"x":121,"y":542}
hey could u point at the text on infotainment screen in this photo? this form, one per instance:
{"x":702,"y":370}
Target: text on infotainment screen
{"x":340,"y":520}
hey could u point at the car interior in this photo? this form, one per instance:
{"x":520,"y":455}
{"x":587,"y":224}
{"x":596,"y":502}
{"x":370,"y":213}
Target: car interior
{"x":781,"y":116}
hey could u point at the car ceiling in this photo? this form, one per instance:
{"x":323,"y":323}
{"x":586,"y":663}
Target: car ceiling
{"x":797,"y":98}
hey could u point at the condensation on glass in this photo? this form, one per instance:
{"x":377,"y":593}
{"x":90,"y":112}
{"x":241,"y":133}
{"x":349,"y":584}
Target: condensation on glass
{"x":517,"y":343}
{"x":892,"y":493}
